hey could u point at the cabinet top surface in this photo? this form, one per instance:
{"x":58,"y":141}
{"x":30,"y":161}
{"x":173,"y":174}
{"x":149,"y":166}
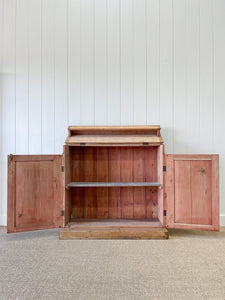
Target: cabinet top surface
{"x":114,"y":135}
{"x":127,"y":127}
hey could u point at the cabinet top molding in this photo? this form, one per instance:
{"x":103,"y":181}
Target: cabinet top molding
{"x":148,"y":135}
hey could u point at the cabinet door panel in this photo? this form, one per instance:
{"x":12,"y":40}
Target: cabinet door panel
{"x":182,"y":174}
{"x":192,"y":191}
{"x":34,"y":192}
{"x":201,"y":192}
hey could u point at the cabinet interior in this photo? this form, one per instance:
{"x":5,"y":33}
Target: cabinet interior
{"x":114,"y":183}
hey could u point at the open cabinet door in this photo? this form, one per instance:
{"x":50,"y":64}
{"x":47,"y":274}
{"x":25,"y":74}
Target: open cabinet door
{"x":192,"y":191}
{"x":34,"y":192}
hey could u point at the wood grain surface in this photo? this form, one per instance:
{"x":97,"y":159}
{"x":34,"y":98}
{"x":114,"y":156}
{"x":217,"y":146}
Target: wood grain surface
{"x":34,"y":192}
{"x":192,"y":191}
{"x":114,"y":182}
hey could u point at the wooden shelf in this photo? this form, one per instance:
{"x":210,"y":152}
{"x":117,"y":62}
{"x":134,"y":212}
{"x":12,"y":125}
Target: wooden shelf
{"x":114,"y":136}
{"x":112,"y":184}
{"x":115,"y":223}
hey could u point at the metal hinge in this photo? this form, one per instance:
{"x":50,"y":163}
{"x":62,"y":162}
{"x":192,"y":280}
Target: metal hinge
{"x":164,"y":168}
{"x":164,"y":213}
{"x":62,"y":213}
{"x":62,"y":168}
{"x":10,"y":158}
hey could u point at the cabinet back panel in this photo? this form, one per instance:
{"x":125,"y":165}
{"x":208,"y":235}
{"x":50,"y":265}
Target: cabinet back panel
{"x":120,"y":203}
{"x":114,"y":164}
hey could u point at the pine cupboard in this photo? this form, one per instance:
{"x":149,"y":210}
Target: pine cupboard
{"x":113,"y":182}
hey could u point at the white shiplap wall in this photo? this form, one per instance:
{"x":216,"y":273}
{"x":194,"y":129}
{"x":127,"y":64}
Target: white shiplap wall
{"x":111,"y":62}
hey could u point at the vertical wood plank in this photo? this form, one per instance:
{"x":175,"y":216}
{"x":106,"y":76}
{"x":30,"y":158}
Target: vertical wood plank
{"x":160,"y":178}
{"x":8,"y":100}
{"x":78,"y":175}
{"x":192,"y":80}
{"x":206,"y":78}
{"x":48,"y":82}
{"x":1,"y":31}
{"x":166,"y":73}
{"x":58,"y":191}
{"x":183,"y":197}
{"x":126,"y":193}
{"x":35,"y":87}
{"x":61,"y":75}
{"x":201,"y":190}
{"x":127,"y":63}
{"x":22,"y":77}
{"x":74,"y":61}
{"x":114,"y":176}
{"x":65,"y":194}
{"x":219,"y":94}
{"x":139,"y":85}
{"x":139,"y":175}
{"x":67,"y":177}
{"x":169,"y":190}
{"x":113,"y":62}
{"x":151,"y":175}
{"x":151,"y":203}
{"x":215,"y":193}
{"x":87,"y":62}
{"x":8,"y":77}
{"x":102,"y":176}
{"x":180,"y":75}
{"x":100,"y":62}
{"x":11,"y":196}
{"x":151,"y":164}
{"x":90,"y":203}
{"x":1,"y":105}
{"x":153,"y":61}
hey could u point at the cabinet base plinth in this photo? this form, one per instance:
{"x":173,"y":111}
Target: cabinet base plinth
{"x":113,"y":233}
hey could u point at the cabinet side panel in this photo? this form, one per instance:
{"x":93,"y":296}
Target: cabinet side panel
{"x":114,"y":176}
{"x":160,"y":163}
{"x":11,"y":195}
{"x":169,"y":190}
{"x":182,"y":178}
{"x":67,"y":179}
{"x":215,"y":192}
{"x":201,"y":189}
{"x":58,"y":190}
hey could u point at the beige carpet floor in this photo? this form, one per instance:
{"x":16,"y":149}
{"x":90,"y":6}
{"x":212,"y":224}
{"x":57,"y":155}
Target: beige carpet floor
{"x":37,"y":265}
